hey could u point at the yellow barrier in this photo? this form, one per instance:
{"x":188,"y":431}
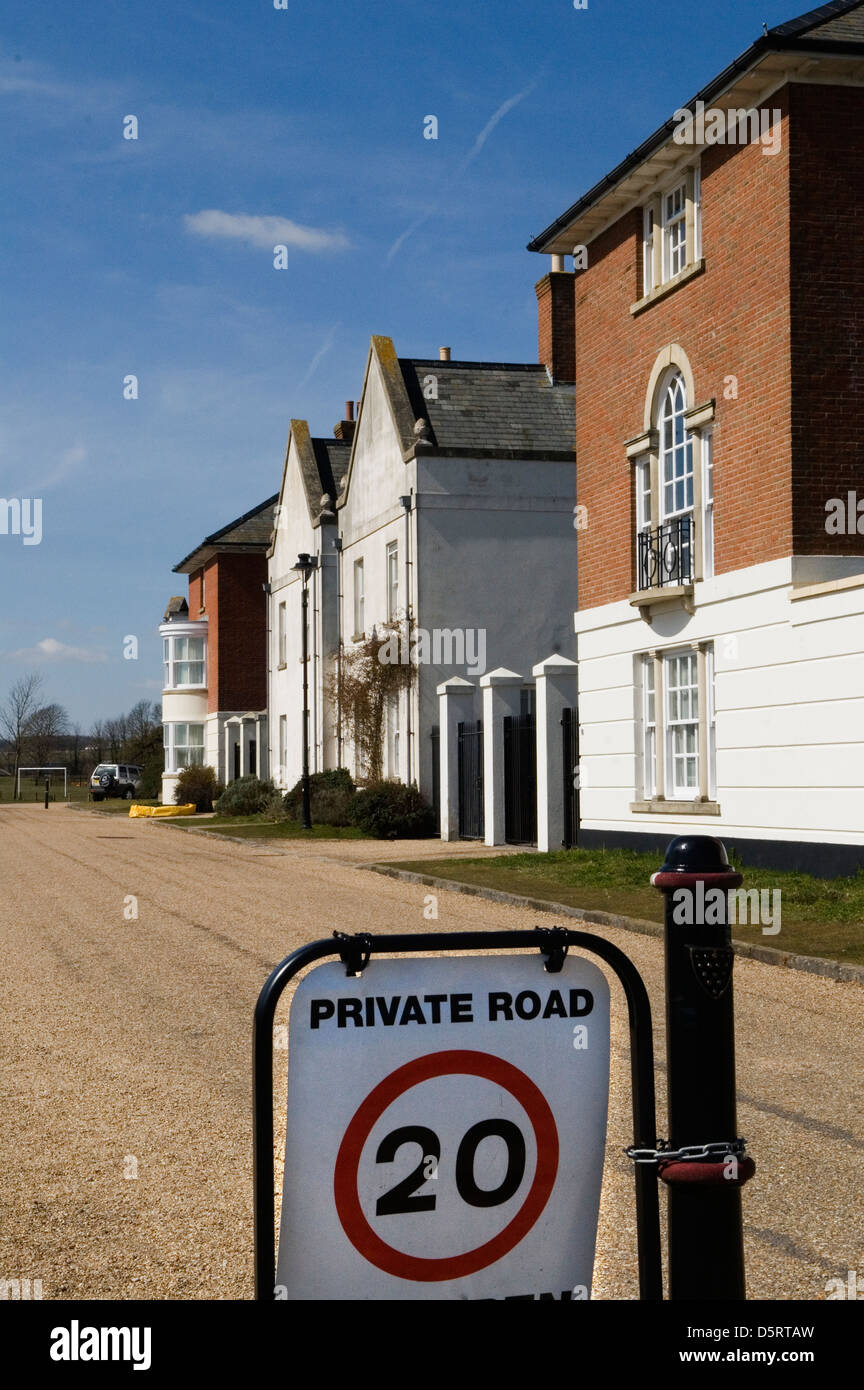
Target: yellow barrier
{"x":136,"y":810}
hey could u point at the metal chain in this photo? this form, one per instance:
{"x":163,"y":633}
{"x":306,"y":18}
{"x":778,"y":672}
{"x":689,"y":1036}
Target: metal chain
{"x":689,"y":1153}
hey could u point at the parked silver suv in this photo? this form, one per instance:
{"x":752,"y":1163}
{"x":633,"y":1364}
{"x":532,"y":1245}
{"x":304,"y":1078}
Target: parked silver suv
{"x":114,"y":779}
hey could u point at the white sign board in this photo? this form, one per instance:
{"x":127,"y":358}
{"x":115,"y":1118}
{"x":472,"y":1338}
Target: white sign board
{"x":446,"y":1130}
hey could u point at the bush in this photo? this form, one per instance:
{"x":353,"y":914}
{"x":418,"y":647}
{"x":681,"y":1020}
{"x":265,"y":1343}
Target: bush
{"x":331,"y":797}
{"x":198,"y":785}
{"x":245,"y":797}
{"x":391,"y":811}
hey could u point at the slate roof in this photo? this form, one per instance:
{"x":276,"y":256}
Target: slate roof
{"x":509,"y":409}
{"x":331,"y":459}
{"x":843,"y":20}
{"x":836,"y":28}
{"x":249,"y":532}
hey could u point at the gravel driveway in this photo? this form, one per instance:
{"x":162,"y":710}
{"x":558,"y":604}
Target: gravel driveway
{"x":126,"y":1120}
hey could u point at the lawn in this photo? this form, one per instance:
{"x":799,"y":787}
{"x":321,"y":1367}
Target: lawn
{"x":260,"y":828}
{"x":819,"y":917}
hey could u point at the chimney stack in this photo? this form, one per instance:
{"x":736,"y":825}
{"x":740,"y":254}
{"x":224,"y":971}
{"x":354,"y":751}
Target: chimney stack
{"x":444,"y":354}
{"x":556,"y":321}
{"x":345,"y":428}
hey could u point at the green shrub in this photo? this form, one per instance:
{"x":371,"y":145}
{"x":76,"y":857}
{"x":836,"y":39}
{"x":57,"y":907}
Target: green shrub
{"x":245,"y":797}
{"x":331,"y":797}
{"x":391,"y":811}
{"x":150,"y":786}
{"x":198,"y":785}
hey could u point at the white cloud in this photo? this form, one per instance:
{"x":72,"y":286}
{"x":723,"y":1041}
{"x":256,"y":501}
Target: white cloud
{"x":263,"y":231}
{"x":49,"y":649}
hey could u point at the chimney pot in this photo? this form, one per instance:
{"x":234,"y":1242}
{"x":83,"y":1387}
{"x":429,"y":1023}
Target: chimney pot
{"x":444,"y":354}
{"x":349,"y":410}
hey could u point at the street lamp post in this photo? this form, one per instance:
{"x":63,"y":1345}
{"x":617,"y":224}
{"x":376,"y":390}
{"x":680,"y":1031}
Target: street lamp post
{"x":304,"y":567}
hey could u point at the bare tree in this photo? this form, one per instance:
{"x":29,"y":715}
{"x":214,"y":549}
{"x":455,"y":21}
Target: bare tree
{"x":144,"y":730}
{"x":45,"y":726}
{"x":16,"y":714}
{"x":97,"y":740}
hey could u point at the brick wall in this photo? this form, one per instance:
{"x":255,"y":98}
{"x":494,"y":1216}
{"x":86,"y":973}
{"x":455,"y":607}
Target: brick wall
{"x":555,"y":324}
{"x":827,"y":201}
{"x":733,"y":320}
{"x":237,"y":645}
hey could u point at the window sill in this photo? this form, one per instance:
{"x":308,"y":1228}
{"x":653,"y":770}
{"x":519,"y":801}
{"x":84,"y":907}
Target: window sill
{"x":660,"y":806}
{"x":669,"y":596}
{"x":660,"y":291}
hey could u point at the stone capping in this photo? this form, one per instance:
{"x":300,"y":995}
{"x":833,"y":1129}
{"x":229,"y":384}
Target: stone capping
{"x":660,"y":291}
{"x":677,"y":808}
{"x":826,"y":586}
{"x":455,"y":685}
{"x":699,"y":415}
{"x":765,"y":955}
{"x":555,"y":665}
{"x":646,"y":443}
{"x":502,"y":676}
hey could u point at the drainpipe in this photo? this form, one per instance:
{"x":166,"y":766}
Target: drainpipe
{"x":269,"y":692}
{"x":406,"y":503}
{"x":337,"y":546}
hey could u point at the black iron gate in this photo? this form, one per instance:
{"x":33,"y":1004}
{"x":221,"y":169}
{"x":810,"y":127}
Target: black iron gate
{"x":570,"y":768}
{"x":435,"y":736}
{"x":520,"y":779}
{"x":471,"y":818}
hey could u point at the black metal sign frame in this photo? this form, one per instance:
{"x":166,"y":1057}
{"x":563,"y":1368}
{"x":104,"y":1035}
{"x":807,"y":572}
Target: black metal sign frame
{"x":355,"y":952}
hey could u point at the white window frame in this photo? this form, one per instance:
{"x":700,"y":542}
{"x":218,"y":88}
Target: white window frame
{"x":392,"y":574}
{"x":282,"y":634}
{"x":649,"y":728}
{"x":283,"y":746}
{"x":359,"y":600}
{"x":171,"y":661}
{"x":673,"y":222}
{"x":707,"y":450}
{"x":172,"y":743}
{"x":682,"y":696}
{"x":672,"y":238}
{"x":660,"y":750}
{"x":649,"y":230}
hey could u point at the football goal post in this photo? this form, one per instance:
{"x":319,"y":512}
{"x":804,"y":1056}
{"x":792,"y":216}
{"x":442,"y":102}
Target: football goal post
{"x":46,"y":771}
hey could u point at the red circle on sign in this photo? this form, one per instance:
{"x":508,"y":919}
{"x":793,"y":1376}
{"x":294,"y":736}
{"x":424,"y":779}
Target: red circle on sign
{"x":354,"y":1222}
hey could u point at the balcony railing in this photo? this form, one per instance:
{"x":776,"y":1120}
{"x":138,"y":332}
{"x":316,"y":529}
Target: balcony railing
{"x":665,"y":554}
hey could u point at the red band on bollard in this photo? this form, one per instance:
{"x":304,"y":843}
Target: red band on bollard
{"x":730,"y":879}
{"x":686,"y":1171}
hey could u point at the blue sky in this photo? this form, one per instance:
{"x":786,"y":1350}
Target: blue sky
{"x":313,"y":115}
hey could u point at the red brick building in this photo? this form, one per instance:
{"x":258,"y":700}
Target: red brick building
{"x":713,"y":327}
{"x":215,"y":654}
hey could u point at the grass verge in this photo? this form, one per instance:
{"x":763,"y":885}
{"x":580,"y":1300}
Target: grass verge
{"x":259,"y":828}
{"x":819,"y":917}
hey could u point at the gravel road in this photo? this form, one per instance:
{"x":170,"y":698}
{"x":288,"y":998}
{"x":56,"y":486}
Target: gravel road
{"x":126,"y":1119}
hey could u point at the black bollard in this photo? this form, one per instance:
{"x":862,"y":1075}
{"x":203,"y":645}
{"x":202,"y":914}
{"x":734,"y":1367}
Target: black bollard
{"x":706,"y":1252}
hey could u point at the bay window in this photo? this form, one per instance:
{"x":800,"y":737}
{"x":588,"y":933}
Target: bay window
{"x":184,"y":661}
{"x":184,"y":746}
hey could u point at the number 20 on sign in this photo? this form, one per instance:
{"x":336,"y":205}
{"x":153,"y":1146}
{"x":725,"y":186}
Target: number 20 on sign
{"x":446,"y":1127}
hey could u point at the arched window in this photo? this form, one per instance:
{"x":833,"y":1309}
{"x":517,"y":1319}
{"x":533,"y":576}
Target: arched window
{"x":676,"y":451}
